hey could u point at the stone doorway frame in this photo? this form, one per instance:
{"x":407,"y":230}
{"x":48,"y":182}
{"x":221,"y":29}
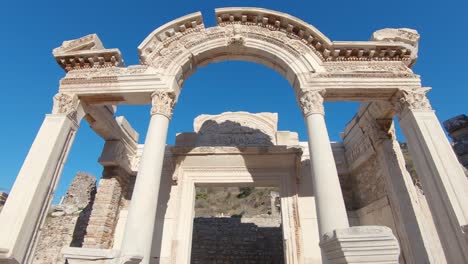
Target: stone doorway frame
{"x":265,"y":175}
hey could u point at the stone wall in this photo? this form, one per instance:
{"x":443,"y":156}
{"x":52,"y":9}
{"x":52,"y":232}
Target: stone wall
{"x":66,"y":223}
{"x":367,"y":184}
{"x":237,"y":240}
{"x":457,"y":128}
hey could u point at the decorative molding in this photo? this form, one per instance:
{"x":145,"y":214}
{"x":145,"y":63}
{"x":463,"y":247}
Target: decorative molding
{"x":362,"y":69}
{"x":86,"y":52}
{"x":388,"y":49}
{"x":163,"y":103}
{"x":412,"y":100}
{"x":92,"y":75}
{"x":233,"y":36}
{"x":311,"y":102}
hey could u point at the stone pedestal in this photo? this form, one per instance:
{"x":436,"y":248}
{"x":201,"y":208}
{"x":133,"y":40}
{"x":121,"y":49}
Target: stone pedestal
{"x":361,"y":244}
{"x":89,"y":255}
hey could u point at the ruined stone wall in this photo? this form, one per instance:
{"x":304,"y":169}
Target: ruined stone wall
{"x":457,"y":127}
{"x":367,"y":184}
{"x":237,"y":240}
{"x":66,"y":223}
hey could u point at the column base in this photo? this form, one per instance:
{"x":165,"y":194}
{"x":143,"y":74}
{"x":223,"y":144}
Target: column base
{"x":358,"y":244}
{"x":75,"y":255}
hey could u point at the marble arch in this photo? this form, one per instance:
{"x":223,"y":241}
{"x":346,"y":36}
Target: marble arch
{"x":377,"y":73}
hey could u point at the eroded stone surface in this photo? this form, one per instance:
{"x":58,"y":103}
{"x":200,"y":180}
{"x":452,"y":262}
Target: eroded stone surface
{"x":66,"y":223}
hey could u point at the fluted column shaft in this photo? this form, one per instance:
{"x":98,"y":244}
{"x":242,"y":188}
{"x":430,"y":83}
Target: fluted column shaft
{"x":331,"y":211}
{"x":138,"y":235}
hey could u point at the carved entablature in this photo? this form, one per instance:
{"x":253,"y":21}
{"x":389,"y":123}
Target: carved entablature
{"x":327,"y":50}
{"x":163,"y":103}
{"x":311,"y":102}
{"x":411,"y":99}
{"x":86,"y":52}
{"x":390,"y":69}
{"x":102,"y":75}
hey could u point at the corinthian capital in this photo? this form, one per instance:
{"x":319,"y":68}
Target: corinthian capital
{"x":163,"y":103}
{"x":411,"y":99}
{"x":311,"y":102}
{"x":66,"y":104}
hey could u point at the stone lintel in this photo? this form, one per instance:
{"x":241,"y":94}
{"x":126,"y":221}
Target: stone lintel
{"x":121,"y":151}
{"x":222,"y":150}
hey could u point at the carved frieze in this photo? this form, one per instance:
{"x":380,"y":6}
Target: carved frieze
{"x":411,"y":99}
{"x":101,"y":75}
{"x":389,"y":50}
{"x":311,"y":101}
{"x":163,"y":103}
{"x":365,"y":69}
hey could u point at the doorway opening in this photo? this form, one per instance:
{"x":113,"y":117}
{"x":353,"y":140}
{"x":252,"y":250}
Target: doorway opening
{"x":237,"y":225}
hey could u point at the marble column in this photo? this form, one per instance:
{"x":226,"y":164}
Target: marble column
{"x":31,"y":195}
{"x":138,"y":234}
{"x":443,"y":180}
{"x":331,"y":211}
{"x":416,"y":234}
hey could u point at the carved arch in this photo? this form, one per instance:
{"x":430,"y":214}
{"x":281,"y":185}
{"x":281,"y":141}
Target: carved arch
{"x":282,"y":42}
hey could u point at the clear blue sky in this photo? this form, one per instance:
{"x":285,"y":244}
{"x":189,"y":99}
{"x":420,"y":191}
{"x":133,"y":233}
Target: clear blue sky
{"x":29,"y":75}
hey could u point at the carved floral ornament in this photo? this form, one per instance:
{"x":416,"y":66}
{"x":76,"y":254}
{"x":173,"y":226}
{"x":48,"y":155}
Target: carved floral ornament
{"x":311,"y":101}
{"x":411,"y":99}
{"x":66,"y":104}
{"x":163,"y":103}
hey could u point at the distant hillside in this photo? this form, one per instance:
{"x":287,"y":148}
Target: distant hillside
{"x":233,"y":201}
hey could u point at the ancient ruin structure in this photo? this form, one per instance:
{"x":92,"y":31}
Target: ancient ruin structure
{"x":457,"y":127}
{"x":347,"y":202}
